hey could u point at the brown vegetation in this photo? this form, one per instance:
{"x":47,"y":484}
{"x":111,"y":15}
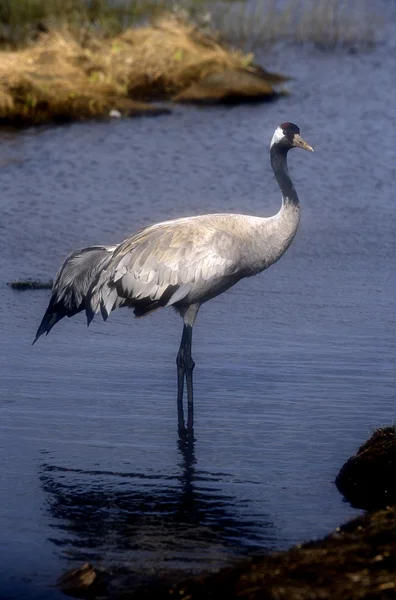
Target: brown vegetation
{"x":58,"y":78}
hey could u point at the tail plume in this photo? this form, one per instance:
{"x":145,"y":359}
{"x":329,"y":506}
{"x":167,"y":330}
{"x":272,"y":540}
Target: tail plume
{"x":72,"y":283}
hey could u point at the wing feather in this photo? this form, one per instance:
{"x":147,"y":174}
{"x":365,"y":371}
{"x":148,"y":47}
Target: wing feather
{"x":72,"y":283}
{"x":161,"y":265}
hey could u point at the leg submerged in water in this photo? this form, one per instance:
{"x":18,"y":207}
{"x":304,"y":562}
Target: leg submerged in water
{"x":185,"y":367}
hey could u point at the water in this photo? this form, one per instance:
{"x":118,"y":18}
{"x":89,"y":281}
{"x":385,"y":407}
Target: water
{"x":295,"y":367}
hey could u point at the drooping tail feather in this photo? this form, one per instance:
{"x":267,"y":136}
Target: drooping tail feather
{"x":72,"y":284}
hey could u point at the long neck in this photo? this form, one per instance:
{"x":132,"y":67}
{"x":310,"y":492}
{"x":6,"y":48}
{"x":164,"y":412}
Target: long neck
{"x":279,"y":167}
{"x":273,"y":235}
{"x":276,"y":233}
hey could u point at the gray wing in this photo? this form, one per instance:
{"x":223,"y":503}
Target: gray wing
{"x":72,"y":283}
{"x":163,"y":265}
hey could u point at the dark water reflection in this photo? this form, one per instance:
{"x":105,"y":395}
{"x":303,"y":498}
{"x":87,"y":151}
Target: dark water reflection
{"x":294,"y":368}
{"x":145,"y":521}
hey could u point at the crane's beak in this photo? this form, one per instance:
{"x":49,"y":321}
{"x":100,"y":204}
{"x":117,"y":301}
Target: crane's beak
{"x":299,"y":143}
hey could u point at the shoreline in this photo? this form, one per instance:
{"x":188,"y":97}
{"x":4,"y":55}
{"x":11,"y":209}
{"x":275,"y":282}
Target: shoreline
{"x":356,"y":561}
{"x":60,"y":79}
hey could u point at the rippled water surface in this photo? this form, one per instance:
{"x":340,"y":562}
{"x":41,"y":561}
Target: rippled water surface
{"x":295,"y":367}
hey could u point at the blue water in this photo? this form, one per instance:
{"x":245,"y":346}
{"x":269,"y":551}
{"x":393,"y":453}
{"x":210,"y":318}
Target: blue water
{"x":294,"y":368}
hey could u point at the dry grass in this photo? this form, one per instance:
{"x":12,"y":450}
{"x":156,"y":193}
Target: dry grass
{"x":170,"y":56}
{"x":51,"y":81}
{"x":20,"y":20}
{"x":58,"y":78}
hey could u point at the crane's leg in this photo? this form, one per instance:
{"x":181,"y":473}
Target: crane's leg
{"x":185,"y":367}
{"x":180,"y":387}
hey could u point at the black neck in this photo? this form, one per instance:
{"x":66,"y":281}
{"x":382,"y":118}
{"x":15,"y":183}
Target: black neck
{"x":279,"y":166}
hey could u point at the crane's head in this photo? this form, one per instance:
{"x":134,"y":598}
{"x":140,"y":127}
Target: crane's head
{"x":287,"y":136}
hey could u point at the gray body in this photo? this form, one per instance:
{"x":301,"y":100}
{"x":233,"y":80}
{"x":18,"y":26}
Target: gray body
{"x":185,"y":262}
{"x":181,"y":263}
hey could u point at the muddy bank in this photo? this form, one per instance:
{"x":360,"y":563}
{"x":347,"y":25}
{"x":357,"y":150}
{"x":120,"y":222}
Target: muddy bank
{"x":59,"y":78}
{"x":357,"y":561}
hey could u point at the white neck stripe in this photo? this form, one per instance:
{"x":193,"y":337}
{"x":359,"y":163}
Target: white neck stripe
{"x":278,"y":135}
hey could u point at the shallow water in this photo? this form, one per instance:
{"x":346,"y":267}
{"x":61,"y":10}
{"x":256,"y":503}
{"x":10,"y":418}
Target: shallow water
{"x":295,"y":367}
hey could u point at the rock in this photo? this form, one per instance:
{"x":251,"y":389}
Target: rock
{"x":30,"y":285}
{"x":77,"y":580}
{"x":368,"y":479}
{"x":228,"y":86}
{"x":267,"y":75}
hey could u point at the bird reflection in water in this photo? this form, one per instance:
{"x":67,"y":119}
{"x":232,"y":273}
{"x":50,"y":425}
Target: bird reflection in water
{"x":142,"y":522}
{"x":186,"y":445}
